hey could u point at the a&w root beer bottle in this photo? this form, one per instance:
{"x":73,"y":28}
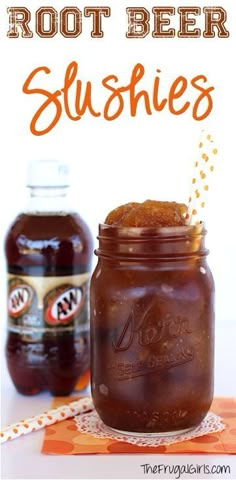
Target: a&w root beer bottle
{"x":48,"y":251}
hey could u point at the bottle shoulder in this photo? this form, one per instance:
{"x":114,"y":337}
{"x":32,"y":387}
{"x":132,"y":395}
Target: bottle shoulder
{"x":40,"y":226}
{"x":61,"y":234}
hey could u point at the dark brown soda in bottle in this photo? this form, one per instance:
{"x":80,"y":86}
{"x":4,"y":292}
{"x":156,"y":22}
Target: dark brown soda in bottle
{"x":48,"y":252}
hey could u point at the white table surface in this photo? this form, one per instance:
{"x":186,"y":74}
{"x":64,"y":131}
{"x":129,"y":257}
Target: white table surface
{"x":21,"y":458}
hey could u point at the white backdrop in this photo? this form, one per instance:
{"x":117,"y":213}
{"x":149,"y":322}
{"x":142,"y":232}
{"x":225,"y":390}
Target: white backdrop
{"x":130,"y":158}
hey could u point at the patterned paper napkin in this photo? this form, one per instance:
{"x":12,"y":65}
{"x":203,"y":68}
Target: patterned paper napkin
{"x":64,"y":438}
{"x":83,"y":382}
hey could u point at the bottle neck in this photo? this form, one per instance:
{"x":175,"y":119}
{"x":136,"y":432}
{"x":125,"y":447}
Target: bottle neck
{"x":48,"y":200}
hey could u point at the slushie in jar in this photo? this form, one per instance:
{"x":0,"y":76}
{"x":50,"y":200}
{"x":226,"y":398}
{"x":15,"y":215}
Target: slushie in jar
{"x":152,"y":321}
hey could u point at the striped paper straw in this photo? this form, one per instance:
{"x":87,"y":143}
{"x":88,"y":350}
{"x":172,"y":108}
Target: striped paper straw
{"x":46,"y":418}
{"x":203,"y":168}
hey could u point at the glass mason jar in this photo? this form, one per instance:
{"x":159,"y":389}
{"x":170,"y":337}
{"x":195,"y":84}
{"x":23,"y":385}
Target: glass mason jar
{"x":152,"y":329}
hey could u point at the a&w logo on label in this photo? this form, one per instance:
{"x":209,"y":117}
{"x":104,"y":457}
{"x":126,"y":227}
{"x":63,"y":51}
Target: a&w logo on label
{"x":63,"y":308}
{"x":19,"y":300}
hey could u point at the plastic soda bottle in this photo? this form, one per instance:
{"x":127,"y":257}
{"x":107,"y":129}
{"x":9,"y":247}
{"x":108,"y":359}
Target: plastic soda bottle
{"x":48,"y":251}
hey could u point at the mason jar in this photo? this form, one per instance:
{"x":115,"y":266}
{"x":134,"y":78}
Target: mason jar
{"x":152,"y":329}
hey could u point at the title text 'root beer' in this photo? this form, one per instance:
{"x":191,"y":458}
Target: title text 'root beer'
{"x":159,"y":23}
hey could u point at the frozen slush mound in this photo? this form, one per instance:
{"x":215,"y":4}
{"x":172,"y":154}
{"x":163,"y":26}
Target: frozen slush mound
{"x":150,"y":213}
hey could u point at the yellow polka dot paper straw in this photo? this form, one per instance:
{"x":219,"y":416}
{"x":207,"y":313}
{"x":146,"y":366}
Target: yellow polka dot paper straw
{"x":203,"y":167}
{"x":46,"y":418}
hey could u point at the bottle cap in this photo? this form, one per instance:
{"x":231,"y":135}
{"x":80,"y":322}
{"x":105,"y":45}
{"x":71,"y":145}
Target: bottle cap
{"x":48,"y":173}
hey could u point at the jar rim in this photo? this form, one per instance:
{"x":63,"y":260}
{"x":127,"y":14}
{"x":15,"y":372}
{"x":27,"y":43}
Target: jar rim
{"x":147,"y":232}
{"x":148,"y":243}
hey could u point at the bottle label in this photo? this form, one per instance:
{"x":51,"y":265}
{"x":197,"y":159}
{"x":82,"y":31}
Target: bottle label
{"x":46,"y":303}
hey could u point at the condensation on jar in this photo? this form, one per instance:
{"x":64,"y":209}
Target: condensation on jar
{"x":152,"y":328}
